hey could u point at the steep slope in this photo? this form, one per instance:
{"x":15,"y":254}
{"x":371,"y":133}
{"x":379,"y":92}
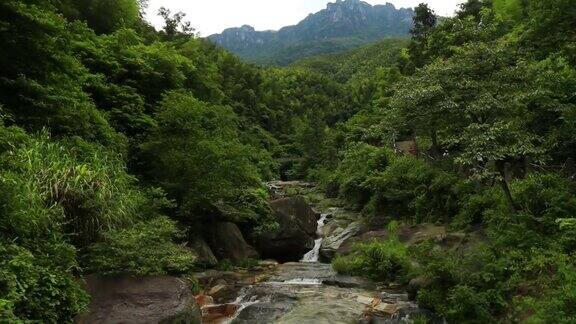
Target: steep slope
{"x":342,"y":25}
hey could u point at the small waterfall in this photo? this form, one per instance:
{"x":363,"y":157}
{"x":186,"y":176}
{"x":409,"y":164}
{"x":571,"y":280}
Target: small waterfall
{"x":314,"y":254}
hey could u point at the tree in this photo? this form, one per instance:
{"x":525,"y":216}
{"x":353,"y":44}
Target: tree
{"x":424,"y":21}
{"x":195,"y":155}
{"x":472,"y":8}
{"x":474,"y":103}
{"x":103,"y":16}
{"x":175,"y":25}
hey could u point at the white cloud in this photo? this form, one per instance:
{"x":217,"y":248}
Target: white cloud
{"x":213,"y":16}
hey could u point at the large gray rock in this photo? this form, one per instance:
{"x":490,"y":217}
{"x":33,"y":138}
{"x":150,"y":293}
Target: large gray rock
{"x":123,"y":299}
{"x":227,"y":242}
{"x":337,"y":237}
{"x":272,"y":305}
{"x":299,"y":212}
{"x":296,"y":232}
{"x":203,"y":252}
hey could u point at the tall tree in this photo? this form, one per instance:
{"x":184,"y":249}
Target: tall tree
{"x":424,"y":21}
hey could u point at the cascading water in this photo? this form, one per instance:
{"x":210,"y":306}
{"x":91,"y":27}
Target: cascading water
{"x":304,"y":292}
{"x":314,"y":254}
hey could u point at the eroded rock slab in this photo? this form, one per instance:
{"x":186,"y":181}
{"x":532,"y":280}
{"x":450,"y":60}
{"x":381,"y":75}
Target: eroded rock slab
{"x":123,"y":299}
{"x":332,"y":243}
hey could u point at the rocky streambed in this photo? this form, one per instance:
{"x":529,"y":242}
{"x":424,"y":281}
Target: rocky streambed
{"x":295,"y":283}
{"x":310,"y":291}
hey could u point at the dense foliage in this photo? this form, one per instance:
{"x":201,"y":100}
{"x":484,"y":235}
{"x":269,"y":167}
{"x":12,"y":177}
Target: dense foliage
{"x":119,"y":144}
{"x":488,"y":96}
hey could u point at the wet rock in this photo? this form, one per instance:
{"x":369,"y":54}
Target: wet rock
{"x":406,"y":314}
{"x":365,"y":300}
{"x":204,"y":300}
{"x":296,"y":232}
{"x":332,"y":243}
{"x":123,"y":299}
{"x":290,"y":272}
{"x":262,"y":313}
{"x":393,"y":298}
{"x":203,"y":251}
{"x":299,"y":211}
{"x":385,"y":309}
{"x":267,"y":305}
{"x":217,"y":289}
{"x":223,"y":292}
{"x":347,"y":282}
{"x":227,"y":242}
{"x":268,"y":264}
{"x":218,"y":313}
{"x":384,"y":320}
{"x":212,"y":278}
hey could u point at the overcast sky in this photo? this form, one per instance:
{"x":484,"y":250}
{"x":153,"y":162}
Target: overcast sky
{"x":213,"y":16}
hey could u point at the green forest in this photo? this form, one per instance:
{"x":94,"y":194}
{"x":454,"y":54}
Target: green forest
{"x":120,"y":143}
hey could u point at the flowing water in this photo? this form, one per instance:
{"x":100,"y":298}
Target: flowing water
{"x":314,"y":254}
{"x":312,"y":292}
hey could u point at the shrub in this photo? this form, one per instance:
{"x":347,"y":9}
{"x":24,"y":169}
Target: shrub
{"x":143,"y":249}
{"x":463,"y":289}
{"x":542,"y":201}
{"x":38,"y":285}
{"x":386,"y":261}
{"x":360,"y":161}
{"x":380,"y":260}
{"x":555,"y":302}
{"x":82,"y":189}
{"x":411,"y":188}
{"x":57,"y":196}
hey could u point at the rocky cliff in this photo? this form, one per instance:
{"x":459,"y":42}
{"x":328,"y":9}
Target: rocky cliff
{"x":342,"y":25}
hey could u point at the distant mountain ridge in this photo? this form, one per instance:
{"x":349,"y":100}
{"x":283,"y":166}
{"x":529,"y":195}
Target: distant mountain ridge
{"x":342,"y":25}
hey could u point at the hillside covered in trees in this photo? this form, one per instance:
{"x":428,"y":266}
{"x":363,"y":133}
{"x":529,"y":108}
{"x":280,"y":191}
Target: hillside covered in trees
{"x":120,"y":144}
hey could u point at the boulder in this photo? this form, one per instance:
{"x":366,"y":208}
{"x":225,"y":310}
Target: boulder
{"x":227,"y":242}
{"x":124,"y":299}
{"x":332,"y":243}
{"x":296,"y":232}
{"x":407,"y":234}
{"x":272,"y":305}
{"x":299,"y":211}
{"x":346,"y":246}
{"x":415,"y":285}
{"x":203,"y":251}
{"x":344,"y":281}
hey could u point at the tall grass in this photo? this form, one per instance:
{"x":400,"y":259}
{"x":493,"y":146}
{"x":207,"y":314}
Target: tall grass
{"x":81,"y":190}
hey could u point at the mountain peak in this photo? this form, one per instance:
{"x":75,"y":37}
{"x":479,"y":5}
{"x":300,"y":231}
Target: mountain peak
{"x":342,"y":25}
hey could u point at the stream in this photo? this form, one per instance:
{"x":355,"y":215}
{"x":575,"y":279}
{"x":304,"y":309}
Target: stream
{"x":312,"y":292}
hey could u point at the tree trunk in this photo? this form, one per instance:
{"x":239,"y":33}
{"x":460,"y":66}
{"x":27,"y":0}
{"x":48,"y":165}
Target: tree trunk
{"x":435,"y":148}
{"x":501,"y":166}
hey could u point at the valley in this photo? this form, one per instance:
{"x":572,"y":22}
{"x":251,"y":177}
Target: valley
{"x":371,"y":164}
